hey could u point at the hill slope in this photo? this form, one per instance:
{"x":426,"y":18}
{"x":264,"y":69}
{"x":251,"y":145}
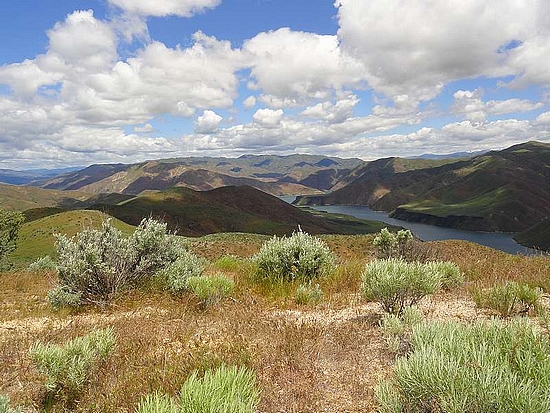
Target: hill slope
{"x":506,"y":190}
{"x":538,"y":236}
{"x":230,"y":209}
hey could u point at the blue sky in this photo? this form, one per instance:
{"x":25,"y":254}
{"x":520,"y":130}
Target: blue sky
{"x":86,"y":81}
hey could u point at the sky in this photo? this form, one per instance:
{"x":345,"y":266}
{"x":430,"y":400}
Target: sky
{"x":105,"y":81}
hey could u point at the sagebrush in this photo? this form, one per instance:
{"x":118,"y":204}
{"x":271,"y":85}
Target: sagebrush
{"x":98,"y":264}
{"x":175,"y":276}
{"x":300,"y":256}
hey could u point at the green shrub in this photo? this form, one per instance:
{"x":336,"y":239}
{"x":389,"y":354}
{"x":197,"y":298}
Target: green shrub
{"x":10,"y":224}
{"x":229,"y":263}
{"x":60,"y":297}
{"x":397,"y":284}
{"x":43,"y":264}
{"x":157,"y":403}
{"x":97,"y":264}
{"x":483,"y":367}
{"x":224,"y":390}
{"x":450,"y":274}
{"x":300,"y":256}
{"x":397,"y":329}
{"x":390,"y":245}
{"x":309,"y":294}
{"x":175,"y":276}
{"x":211,"y":289}
{"x":509,"y":299}
{"x":5,"y":405}
{"x":69,"y":367}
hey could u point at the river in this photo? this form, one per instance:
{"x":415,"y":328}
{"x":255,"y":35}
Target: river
{"x":497,"y":240}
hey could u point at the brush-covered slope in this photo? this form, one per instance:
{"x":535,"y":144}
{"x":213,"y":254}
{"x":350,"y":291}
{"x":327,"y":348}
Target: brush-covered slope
{"x":506,"y":190}
{"x":36,"y":238}
{"x":230,"y":209}
{"x":278,"y":175}
{"x":538,"y":236}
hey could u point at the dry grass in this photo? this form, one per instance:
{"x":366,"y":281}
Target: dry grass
{"x":324,"y":358}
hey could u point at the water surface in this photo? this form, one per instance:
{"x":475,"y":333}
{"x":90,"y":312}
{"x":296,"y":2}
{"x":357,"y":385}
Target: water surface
{"x":497,"y":240}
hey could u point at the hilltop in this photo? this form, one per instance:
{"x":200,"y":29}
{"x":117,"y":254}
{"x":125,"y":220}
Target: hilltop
{"x":504,"y":190}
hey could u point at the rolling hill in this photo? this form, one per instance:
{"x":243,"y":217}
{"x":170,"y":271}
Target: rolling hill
{"x":231,"y":209}
{"x":506,"y":190}
{"x":278,"y":175}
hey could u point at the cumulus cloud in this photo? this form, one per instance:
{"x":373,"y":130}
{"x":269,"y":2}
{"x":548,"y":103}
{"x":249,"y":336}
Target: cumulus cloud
{"x":162,"y":8}
{"x":209,"y":122}
{"x":291,"y":66}
{"x":413,"y":49}
{"x":333,"y":113}
{"x":249,"y":102}
{"x":470,"y":105}
{"x":268,"y":118}
{"x":147,"y":128}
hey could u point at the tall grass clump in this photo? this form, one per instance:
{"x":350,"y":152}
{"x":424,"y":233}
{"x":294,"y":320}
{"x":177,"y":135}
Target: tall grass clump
{"x":309,"y":294}
{"x":482,"y":367}
{"x":5,"y":405}
{"x":175,"y":276}
{"x":509,"y":299}
{"x":69,"y":367}
{"x":300,"y":256}
{"x":397,"y":328}
{"x":224,"y":390}
{"x":397,"y":284}
{"x":98,"y":264}
{"x":210,"y":290}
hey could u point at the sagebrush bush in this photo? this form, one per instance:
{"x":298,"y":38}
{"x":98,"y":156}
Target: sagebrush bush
{"x":300,"y":256}
{"x":401,"y":244}
{"x":211,"y":289}
{"x":5,"y":405}
{"x":174,"y":277}
{"x":224,"y":390}
{"x":397,"y":284}
{"x":43,"y":264}
{"x":97,"y":264}
{"x":69,"y":367}
{"x":309,"y":294}
{"x":483,"y":367}
{"x":450,"y":274}
{"x":509,"y":299}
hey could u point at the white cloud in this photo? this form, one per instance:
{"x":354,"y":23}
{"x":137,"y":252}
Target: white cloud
{"x":299,"y":66}
{"x":543,"y":119}
{"x":249,"y":102}
{"x":161,"y":8}
{"x":209,"y":122}
{"x":333,"y":113}
{"x":268,"y":118}
{"x":147,"y":128}
{"x":414,"y":48}
{"x":472,"y":107}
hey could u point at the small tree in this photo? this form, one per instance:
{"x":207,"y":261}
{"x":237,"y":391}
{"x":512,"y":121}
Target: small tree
{"x":10,"y":224}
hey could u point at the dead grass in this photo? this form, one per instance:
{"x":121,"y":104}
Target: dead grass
{"x":324,"y":358}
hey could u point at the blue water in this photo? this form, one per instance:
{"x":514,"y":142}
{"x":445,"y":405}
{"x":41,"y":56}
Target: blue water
{"x":497,"y":240}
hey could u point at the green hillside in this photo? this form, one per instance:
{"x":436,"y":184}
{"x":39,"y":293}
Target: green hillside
{"x":538,"y":236}
{"x":504,"y":190}
{"x":36,"y":238}
{"x":231,"y":209}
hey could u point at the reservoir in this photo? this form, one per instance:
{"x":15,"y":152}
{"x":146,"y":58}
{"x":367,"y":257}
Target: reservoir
{"x":497,"y":240}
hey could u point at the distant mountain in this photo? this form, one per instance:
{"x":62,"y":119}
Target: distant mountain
{"x":278,"y":175}
{"x":230,"y":209}
{"x":506,"y":190}
{"x":14,"y":177}
{"x":454,"y":155}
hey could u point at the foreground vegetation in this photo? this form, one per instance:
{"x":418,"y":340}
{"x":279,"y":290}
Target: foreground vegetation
{"x":295,"y":343}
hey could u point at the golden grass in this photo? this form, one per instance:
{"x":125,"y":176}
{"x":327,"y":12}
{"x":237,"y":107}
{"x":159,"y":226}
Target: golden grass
{"x":324,"y":358}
